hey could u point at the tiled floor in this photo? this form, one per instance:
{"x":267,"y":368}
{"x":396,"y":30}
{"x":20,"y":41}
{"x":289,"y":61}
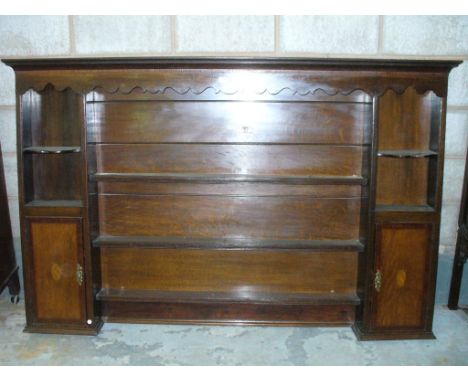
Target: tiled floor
{"x":120,"y":344}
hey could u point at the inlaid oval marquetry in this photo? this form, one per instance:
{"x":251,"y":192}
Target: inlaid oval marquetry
{"x":401,"y":278}
{"x":56,"y":272}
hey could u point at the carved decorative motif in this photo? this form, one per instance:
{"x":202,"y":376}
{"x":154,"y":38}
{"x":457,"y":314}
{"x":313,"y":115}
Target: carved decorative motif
{"x":373,"y":78}
{"x":126,"y":90}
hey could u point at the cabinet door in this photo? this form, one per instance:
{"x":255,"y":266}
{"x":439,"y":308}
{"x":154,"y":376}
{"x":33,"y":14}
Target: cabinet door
{"x":402,"y":275}
{"x":56,"y":260}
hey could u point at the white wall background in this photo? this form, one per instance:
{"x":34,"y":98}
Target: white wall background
{"x":313,"y":36}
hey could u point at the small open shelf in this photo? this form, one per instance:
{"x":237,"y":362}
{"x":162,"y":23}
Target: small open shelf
{"x":54,"y":203}
{"x":51,"y":149}
{"x":406,"y":180}
{"x":202,"y":243}
{"x":225,"y":178}
{"x":404,"y":208}
{"x":52,"y":177}
{"x":250,"y":297}
{"x":406,"y":153}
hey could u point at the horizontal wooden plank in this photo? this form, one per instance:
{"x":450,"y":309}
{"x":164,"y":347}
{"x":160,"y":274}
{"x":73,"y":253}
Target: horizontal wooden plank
{"x":177,"y":242}
{"x":410,"y":215}
{"x":407,"y":153}
{"x":232,"y":189}
{"x":404,"y":208}
{"x":228,"y":122}
{"x":53,"y":208}
{"x":229,"y":217}
{"x":228,"y":313}
{"x":52,"y":149}
{"x":220,"y":297}
{"x":285,"y":160}
{"x":223,"y":178}
{"x":55,"y":203}
{"x":233,"y":271}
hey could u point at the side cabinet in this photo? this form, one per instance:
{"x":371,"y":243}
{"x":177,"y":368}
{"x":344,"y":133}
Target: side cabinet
{"x":55,"y":252}
{"x":54,"y":219}
{"x":403,"y":274}
{"x":399,"y":272}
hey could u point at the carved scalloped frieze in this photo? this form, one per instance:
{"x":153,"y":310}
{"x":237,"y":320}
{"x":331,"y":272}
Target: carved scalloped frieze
{"x":197,"y":92}
{"x":233,"y":83}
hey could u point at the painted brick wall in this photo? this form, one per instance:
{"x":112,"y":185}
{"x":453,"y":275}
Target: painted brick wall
{"x":317,"y":36}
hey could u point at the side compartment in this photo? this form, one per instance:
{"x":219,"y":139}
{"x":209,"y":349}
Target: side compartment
{"x":54,"y":218}
{"x":402,"y":273}
{"x":56,"y":277}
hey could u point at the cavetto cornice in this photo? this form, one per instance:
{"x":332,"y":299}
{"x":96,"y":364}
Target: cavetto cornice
{"x":229,"y":76}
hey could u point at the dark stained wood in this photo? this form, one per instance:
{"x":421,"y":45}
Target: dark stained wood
{"x":52,"y":149}
{"x":238,"y":188}
{"x":228,"y":122}
{"x":229,"y":217}
{"x":402,"y":258}
{"x":394,"y":334}
{"x":406,"y":196}
{"x":56,"y":252}
{"x":402,"y":181}
{"x":300,"y":160}
{"x":226,"y":178}
{"x":233,"y":271}
{"x":71,"y":205}
{"x":406,"y":153}
{"x":289,"y":63}
{"x":242,"y":296}
{"x":8,"y":267}
{"x":54,"y":176}
{"x":53,"y":118}
{"x":461,"y":249}
{"x":234,"y":190}
{"x":405,"y":121}
{"x":50,"y":139}
{"x":52,"y":187}
{"x":230,"y":313}
{"x":177,"y":242}
{"x":228,"y":74}
{"x":210,"y":94}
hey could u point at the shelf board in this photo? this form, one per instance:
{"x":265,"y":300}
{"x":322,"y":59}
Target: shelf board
{"x":403,"y":208}
{"x":225,"y":178}
{"x":249,"y":297}
{"x":54,"y":203}
{"x":202,"y":243}
{"x":51,"y":149}
{"x":406,"y":153}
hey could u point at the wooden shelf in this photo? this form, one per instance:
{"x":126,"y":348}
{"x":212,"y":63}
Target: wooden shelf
{"x":406,"y":153}
{"x":54,"y":203}
{"x":225,"y":178}
{"x":250,"y":297}
{"x":51,"y":149}
{"x":202,"y":243}
{"x":403,"y":208}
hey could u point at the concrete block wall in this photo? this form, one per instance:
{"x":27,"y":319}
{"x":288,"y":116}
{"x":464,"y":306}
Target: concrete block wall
{"x":422,"y":37}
